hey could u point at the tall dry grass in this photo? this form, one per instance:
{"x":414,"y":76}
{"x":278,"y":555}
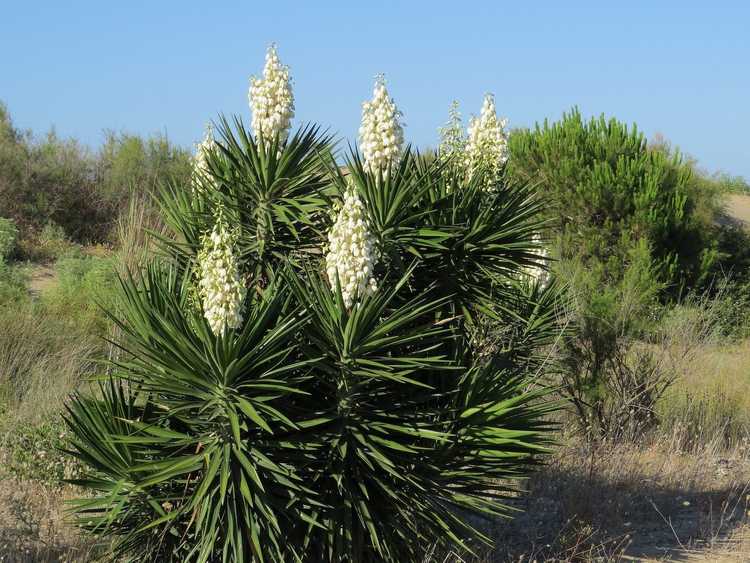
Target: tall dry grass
{"x":42,"y":358}
{"x":133,"y":232}
{"x":711,"y":400}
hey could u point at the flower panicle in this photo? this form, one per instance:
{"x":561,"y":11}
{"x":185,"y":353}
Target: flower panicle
{"x":351,"y":255}
{"x":536,"y":272}
{"x":271,"y":99}
{"x":220,"y":286}
{"x":202,"y":149}
{"x":381,"y":134}
{"x":452,"y":138}
{"x":487,"y":141}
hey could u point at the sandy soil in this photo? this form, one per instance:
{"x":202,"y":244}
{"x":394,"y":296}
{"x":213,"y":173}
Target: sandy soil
{"x":738,"y":210}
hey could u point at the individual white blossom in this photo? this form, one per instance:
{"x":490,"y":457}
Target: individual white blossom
{"x":219,"y":285}
{"x":271,"y":99}
{"x":487,"y":143}
{"x":381,"y":135}
{"x":200,"y":160}
{"x":351,"y":250}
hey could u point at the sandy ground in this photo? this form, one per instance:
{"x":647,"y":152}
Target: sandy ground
{"x":33,"y":527}
{"x":631,"y":503}
{"x":738,"y":210}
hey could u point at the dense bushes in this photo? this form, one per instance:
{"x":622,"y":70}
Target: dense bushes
{"x":634,"y":230}
{"x":608,"y":192}
{"x":52,"y":181}
{"x":12,"y":283}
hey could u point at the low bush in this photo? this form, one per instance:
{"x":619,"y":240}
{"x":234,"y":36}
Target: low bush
{"x":12,"y":284}
{"x":36,"y":451}
{"x":610,"y":379}
{"x":85,"y":285}
{"x":46,"y":245}
{"x":8,"y":238}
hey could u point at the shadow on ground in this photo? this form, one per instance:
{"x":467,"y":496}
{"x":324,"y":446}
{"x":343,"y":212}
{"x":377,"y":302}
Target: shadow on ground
{"x":626,"y":504}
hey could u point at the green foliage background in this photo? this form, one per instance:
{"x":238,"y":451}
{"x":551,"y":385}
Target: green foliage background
{"x":607,"y":191}
{"x":54,"y":181}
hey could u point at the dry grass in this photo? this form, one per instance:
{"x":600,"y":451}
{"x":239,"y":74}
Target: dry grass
{"x":681,"y":493}
{"x":712,"y":398}
{"x":625,"y":502}
{"x":41,"y":360}
{"x":133,"y":233}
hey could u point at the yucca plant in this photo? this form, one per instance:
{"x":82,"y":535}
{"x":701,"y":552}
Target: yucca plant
{"x":306,"y":370}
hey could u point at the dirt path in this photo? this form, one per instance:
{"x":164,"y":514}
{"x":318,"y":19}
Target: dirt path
{"x":737,"y":210}
{"x":41,"y":279}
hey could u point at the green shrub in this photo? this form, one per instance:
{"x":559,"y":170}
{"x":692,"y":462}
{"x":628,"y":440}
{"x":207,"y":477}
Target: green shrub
{"x":723,"y":309}
{"x":37,"y":451}
{"x":607,"y":191}
{"x":610,"y":379}
{"x":50,"y":180}
{"x":85,"y":284}
{"x":315,"y":430}
{"x":47,"y":244}
{"x":12,"y":284}
{"x":8,"y":238}
{"x":128,"y":165}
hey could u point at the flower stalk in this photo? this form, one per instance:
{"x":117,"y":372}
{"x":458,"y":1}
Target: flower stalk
{"x":220,"y":287}
{"x":381,"y":134}
{"x":272,"y":100}
{"x":351,"y":253}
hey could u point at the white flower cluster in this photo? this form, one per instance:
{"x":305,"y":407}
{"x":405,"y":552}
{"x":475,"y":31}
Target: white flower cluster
{"x":271,"y":99}
{"x":381,"y":134}
{"x":452,"y":139}
{"x":351,"y":250}
{"x":200,"y":162}
{"x":535,"y":272}
{"x":220,"y":287}
{"x":487,"y":143}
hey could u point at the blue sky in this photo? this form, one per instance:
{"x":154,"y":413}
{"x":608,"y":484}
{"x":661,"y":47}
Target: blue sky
{"x":680,"y":68}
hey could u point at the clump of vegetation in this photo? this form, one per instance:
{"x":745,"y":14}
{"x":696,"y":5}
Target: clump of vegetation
{"x":12,"y":284}
{"x":37,"y":451}
{"x":59,"y":183}
{"x":299,"y":379}
{"x":608,"y":193}
{"x":84,"y":286}
{"x":611,"y":382}
{"x":8,"y":238}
